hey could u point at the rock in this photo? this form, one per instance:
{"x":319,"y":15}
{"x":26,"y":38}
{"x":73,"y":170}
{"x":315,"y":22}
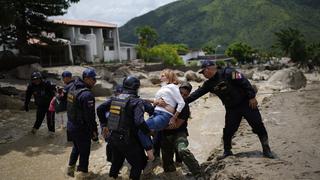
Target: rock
{"x":287,"y":78}
{"x":154,"y":77}
{"x":8,"y":102}
{"x":179,"y":73}
{"x":24,"y":72}
{"x":261,"y":75}
{"x":145,"y":83}
{"x":248,"y":73}
{"x":122,"y":72}
{"x":140,"y":75}
{"x":105,"y":75}
{"x":192,"y":76}
{"x":9,"y":91}
{"x":102,"y":88}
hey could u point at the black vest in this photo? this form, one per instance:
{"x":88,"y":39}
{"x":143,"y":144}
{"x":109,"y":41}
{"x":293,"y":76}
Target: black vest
{"x":121,"y":118}
{"x":75,"y":113}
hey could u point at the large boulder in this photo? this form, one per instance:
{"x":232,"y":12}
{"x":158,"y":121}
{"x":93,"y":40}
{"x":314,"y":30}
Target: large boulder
{"x":154,"y":77}
{"x":192,"y":76}
{"x":287,"y":78}
{"x":24,"y":72}
{"x":102,"y":88}
{"x":122,"y":71}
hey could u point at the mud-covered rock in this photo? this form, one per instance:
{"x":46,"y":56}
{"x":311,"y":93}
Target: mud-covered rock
{"x":288,"y":78}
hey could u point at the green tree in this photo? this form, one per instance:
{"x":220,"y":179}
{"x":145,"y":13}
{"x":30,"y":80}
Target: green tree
{"x":30,"y":17}
{"x":240,"y":51}
{"x":313,"y":52}
{"x":147,"y":36}
{"x":291,"y":42}
{"x":167,"y":53}
{"x":209,"y":49}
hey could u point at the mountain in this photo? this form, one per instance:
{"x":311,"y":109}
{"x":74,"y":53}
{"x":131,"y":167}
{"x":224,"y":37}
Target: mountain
{"x":200,"y":22}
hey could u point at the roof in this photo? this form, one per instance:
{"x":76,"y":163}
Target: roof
{"x":87,"y":23}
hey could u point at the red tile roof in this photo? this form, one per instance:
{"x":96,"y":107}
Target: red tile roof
{"x":88,"y":23}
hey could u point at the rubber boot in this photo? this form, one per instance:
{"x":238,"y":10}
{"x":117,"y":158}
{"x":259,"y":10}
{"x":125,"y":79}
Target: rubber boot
{"x":265,"y":147}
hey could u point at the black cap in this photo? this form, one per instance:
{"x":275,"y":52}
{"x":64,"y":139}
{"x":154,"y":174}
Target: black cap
{"x":205,"y":64}
{"x":36,"y":75}
{"x":186,"y":85}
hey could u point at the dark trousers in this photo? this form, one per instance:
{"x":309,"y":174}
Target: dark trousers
{"x":81,"y":149}
{"x":233,"y":118}
{"x":178,"y":142}
{"x":131,"y":151}
{"x":41,"y":113}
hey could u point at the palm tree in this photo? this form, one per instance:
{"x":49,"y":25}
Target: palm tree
{"x":292,"y":43}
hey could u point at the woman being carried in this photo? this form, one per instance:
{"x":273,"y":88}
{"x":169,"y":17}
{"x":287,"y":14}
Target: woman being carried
{"x":169,"y":92}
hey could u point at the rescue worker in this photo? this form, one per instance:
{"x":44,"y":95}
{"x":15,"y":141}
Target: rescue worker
{"x":81,"y":125}
{"x":239,"y":99}
{"x":43,"y":91}
{"x":174,"y":139}
{"x":126,"y":118}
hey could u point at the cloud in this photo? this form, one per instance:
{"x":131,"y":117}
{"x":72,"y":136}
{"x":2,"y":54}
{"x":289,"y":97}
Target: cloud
{"x":112,"y":11}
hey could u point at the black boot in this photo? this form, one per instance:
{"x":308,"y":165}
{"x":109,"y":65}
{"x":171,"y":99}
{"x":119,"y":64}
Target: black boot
{"x":265,"y":147}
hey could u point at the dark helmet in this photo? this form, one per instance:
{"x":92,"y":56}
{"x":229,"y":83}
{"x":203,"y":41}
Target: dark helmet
{"x":36,"y":75}
{"x":186,"y":85}
{"x":131,"y":83}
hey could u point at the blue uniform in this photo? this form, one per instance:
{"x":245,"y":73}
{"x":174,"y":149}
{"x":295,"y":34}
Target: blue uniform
{"x":42,"y":93}
{"x":124,"y":143}
{"x":81,"y":129}
{"x":234,"y":90}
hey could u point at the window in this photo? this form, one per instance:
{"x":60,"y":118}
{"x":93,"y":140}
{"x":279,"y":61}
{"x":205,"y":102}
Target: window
{"x":85,"y":30}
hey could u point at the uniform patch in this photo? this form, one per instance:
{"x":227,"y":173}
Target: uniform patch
{"x":90,"y":103}
{"x":236,"y":75}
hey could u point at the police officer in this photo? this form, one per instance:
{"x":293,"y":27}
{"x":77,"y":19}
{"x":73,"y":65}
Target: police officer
{"x":61,"y":101}
{"x":175,"y":139}
{"x":238,"y":97}
{"x":81,"y":125}
{"x":43,"y":91}
{"x":125,"y":119}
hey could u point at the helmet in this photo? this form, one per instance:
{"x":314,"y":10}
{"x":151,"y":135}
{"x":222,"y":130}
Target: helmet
{"x":36,"y":75}
{"x":131,"y":83}
{"x":89,"y":72}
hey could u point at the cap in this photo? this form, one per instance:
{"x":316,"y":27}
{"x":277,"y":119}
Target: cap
{"x":36,"y":75}
{"x":205,"y":64}
{"x":89,"y":72}
{"x":66,"y":74}
{"x":186,"y":85}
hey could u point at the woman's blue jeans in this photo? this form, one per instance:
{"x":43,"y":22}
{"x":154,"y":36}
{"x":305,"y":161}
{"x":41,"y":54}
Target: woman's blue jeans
{"x":157,"y":122}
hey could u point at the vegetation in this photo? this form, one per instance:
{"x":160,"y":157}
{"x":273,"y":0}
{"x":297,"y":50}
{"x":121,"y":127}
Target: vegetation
{"x":149,"y":51}
{"x":292,"y":44}
{"x":242,"y":52}
{"x":24,"y":19}
{"x":200,"y":22}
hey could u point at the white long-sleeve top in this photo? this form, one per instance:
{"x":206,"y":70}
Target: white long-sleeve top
{"x":171,"y":95}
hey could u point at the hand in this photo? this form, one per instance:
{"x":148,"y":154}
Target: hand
{"x":95,"y":136}
{"x":253,"y":103}
{"x":105,"y":132}
{"x":26,"y":108}
{"x":160,"y":102}
{"x":172,"y":123}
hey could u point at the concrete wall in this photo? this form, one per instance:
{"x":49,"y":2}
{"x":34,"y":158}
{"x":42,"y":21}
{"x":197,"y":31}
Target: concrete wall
{"x":124,"y":53}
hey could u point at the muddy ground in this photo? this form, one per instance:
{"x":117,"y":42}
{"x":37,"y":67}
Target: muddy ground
{"x":291,"y":118}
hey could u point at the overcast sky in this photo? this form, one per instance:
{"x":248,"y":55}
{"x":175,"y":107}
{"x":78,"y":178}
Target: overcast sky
{"x":112,"y":11}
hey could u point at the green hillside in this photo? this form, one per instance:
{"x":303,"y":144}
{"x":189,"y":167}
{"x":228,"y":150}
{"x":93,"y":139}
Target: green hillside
{"x":198,"y":22}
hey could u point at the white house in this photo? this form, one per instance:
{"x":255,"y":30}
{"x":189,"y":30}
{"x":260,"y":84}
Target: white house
{"x":193,"y":54}
{"x":93,"y":41}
